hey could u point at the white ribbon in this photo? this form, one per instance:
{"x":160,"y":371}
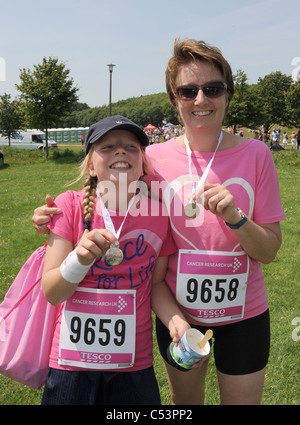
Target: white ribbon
{"x":107,"y":218}
{"x":206,"y":171}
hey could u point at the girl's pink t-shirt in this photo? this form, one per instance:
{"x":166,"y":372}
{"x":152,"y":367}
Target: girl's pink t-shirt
{"x":145,"y":236}
{"x":248,"y":171}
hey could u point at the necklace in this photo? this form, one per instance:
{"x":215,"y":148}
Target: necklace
{"x":114,"y":255}
{"x":191,"y":209}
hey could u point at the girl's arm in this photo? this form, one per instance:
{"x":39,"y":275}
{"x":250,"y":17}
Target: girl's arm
{"x":163,"y":302}
{"x":55,"y":288}
{"x":91,"y":246}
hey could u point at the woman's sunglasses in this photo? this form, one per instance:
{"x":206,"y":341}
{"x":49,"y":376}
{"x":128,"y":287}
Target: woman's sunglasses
{"x":212,"y":89}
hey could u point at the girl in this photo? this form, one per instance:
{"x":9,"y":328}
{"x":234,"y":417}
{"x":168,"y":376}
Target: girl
{"x":102,"y":343}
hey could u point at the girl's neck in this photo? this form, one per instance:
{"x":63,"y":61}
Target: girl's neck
{"x":117,"y":201}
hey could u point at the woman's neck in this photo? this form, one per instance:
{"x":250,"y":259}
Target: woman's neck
{"x":201,"y":140}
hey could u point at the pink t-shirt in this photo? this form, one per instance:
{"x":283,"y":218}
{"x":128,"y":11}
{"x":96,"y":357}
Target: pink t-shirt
{"x":144,"y":237}
{"x":249,"y":173}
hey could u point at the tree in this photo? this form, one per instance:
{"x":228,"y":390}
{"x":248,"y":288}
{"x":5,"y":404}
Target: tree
{"x":293,"y":102}
{"x":48,"y":93}
{"x":245,"y":106}
{"x":11,"y":116}
{"x":272,"y":90}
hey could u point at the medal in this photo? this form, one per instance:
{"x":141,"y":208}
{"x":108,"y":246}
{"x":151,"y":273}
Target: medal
{"x":192,"y":210}
{"x":114,"y":256}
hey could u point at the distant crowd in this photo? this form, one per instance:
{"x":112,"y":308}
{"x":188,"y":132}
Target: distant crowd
{"x":273,"y":138}
{"x":166,"y":133}
{"x":277,"y":139}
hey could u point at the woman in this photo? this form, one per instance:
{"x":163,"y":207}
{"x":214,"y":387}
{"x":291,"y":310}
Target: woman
{"x":223,"y":200}
{"x":241,"y":174}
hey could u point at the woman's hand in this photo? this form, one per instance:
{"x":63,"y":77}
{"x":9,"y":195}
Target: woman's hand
{"x":260,"y":242}
{"x":42,"y":216}
{"x":177,"y":327}
{"x":219,"y":200}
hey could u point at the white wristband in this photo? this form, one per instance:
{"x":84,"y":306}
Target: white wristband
{"x":71,"y":269}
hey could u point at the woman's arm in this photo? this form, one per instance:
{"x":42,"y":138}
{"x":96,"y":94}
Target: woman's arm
{"x":164,"y":304}
{"x":260,"y":241}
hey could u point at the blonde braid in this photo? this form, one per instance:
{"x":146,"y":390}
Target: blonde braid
{"x":88,"y":202}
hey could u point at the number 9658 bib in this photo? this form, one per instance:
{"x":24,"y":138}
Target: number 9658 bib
{"x":211,"y":285}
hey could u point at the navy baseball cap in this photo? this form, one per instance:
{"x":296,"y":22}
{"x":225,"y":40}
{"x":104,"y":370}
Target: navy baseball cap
{"x":115,"y":122}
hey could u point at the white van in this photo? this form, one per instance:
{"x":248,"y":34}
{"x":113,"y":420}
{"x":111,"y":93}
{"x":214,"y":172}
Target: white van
{"x":28,"y":139}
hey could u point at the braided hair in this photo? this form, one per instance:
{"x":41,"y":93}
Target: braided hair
{"x":88,"y":202}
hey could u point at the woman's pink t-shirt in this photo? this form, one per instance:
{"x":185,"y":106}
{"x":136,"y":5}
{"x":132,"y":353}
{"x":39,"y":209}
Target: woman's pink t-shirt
{"x":249,"y":173}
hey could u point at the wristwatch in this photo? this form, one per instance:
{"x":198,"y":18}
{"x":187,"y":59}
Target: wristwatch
{"x":239,"y":223}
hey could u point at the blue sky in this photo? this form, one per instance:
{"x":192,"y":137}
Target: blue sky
{"x":258,"y":36}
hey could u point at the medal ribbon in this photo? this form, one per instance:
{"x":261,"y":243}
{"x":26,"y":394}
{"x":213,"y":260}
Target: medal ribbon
{"x":204,"y":175}
{"x":107,"y":218}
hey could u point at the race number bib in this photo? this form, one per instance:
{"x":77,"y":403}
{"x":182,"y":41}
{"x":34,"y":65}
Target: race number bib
{"x":211,"y":285}
{"x":98,"y":329}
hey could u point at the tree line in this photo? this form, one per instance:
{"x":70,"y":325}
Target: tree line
{"x":48,"y":98}
{"x":274,"y":99}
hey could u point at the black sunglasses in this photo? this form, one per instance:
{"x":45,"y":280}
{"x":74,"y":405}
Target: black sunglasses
{"x":211,"y":89}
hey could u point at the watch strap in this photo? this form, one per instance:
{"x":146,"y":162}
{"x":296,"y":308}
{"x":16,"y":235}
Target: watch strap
{"x":239,"y":223}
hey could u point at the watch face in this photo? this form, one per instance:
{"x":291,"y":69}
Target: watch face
{"x":240,"y":212}
{"x":239,"y":223}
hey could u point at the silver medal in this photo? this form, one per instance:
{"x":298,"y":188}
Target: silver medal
{"x":192,"y":210}
{"x":114,"y":256}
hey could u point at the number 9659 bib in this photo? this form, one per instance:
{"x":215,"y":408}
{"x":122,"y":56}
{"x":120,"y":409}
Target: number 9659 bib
{"x":98,"y":329}
{"x":211,"y":285}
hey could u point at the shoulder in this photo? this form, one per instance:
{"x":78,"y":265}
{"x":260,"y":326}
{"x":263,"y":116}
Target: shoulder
{"x":254,"y":145}
{"x":158,"y":149}
{"x":259,"y":147}
{"x":69,"y":199}
{"x":230,"y":141}
{"x":260,"y":151}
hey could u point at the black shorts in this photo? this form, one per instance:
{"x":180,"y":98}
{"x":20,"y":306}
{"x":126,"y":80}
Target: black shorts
{"x":65,"y":387}
{"x":239,"y":348}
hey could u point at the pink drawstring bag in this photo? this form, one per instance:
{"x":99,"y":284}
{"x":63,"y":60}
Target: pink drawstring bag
{"x":27,"y":325}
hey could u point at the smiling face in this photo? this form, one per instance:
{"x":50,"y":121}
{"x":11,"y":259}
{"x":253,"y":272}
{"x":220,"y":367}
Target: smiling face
{"x":202,"y":112}
{"x":119,"y":151}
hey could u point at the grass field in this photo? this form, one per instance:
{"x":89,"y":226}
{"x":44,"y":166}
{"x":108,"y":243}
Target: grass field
{"x":26,"y":178}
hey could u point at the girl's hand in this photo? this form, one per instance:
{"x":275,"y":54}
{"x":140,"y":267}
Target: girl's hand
{"x":94,"y":244}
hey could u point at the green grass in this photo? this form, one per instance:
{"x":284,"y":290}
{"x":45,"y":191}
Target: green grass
{"x":24,"y":182}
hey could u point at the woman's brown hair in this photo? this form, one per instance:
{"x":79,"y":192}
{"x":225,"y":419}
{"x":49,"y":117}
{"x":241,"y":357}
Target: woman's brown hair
{"x":190,"y":50}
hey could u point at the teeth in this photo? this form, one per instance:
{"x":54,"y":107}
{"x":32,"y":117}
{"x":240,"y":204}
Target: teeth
{"x":120,"y":165}
{"x":201,"y":113}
